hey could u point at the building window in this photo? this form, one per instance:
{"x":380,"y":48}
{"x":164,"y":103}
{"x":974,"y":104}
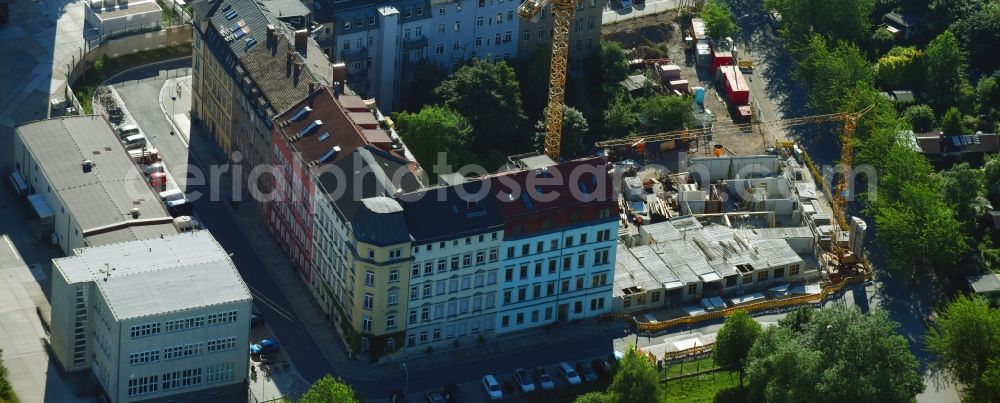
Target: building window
{"x":524,"y":272}
{"x":520,"y":318}
{"x":494,"y":255}
{"x":491,"y":277}
{"x":480,"y":257}
{"x":479,"y":21}
{"x":505,"y":321}
{"x":366,"y":323}
{"x":761,"y":276}
{"x":579,"y":283}
{"x":479,"y":41}
{"x":567,"y":263}
{"x":510,"y":252}
{"x":425,"y":314}
{"x":793,"y":270}
{"x":441,"y":287}
{"x":220,"y":372}
{"x":414,"y":293}
{"x":626,"y":301}
{"x":223,"y":344}
{"x":453,"y":285}
{"x":692,"y":288}
{"x":569,"y":241}
{"x":509,"y":274}
{"x":427,"y":290}
{"x":143,"y":385}
{"x":601,"y":257}
{"x":565,"y":286}
{"x":581,"y":260}
{"x":147,"y":329}
{"x":144,"y":357}
{"x":393,"y":275}
{"x":439,"y":49}
{"x":522,"y":293}
{"x":508,"y":36}
{"x":441,"y":11}
{"x":183,"y":324}
{"x":552,"y":266}
{"x":506,"y":297}
{"x":538,"y":269}
{"x":525,"y":249}
{"x":442,"y":265}
{"x":655,"y":297}
{"x":458,"y":26}
{"x":467,"y":260}
{"x":395,"y":253}
{"x":369,"y":278}
{"x":527,"y":35}
{"x":466,"y":282}
{"x":371,"y":254}
{"x":390,"y":321}
{"x":779,"y":272}
{"x":534,"y":316}
{"x":182,"y":351}
{"x":415,"y":270}
{"x":413,"y":317}
{"x":428,"y":268}
{"x":392,"y":298}
{"x":578,"y":307}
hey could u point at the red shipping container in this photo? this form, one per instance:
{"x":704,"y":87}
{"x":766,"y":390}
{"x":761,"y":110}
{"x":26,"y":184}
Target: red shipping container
{"x":737,"y":90}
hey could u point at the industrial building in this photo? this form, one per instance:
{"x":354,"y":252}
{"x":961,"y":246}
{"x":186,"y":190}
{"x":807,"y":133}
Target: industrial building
{"x":82,"y":185}
{"x":109,"y":17}
{"x":165,"y":318}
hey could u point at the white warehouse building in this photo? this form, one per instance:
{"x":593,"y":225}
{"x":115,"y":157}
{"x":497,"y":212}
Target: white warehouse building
{"x":165,"y":318}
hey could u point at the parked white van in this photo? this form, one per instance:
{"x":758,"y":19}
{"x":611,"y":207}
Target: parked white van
{"x":134,"y":141}
{"x":568,"y":373}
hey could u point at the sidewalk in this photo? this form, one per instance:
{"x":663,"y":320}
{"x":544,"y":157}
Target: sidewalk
{"x":32,"y":373}
{"x":206,"y":152}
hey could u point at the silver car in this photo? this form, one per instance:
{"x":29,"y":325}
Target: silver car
{"x":544,"y":379}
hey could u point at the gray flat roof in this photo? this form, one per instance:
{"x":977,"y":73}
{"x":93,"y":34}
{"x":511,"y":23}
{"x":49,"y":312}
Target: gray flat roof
{"x":988,"y":283}
{"x":159,"y":275}
{"x":107,"y":194}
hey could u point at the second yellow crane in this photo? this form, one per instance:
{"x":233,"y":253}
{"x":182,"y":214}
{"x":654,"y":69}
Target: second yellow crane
{"x":562,"y":14}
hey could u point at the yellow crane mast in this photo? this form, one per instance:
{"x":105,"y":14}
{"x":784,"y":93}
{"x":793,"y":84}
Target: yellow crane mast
{"x":562,"y":14}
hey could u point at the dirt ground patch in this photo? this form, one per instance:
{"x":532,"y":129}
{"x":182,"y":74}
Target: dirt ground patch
{"x":661,"y":35}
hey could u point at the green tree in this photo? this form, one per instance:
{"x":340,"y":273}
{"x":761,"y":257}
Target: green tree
{"x":574,"y":132}
{"x":100,"y":63}
{"x":718,"y":19}
{"x":848,"y":20}
{"x":966,"y":340}
{"x":946,"y":62}
{"x":841,"y":355}
{"x":988,"y":93}
{"x":329,"y":389}
{"x":434,"y":130}
{"x":620,"y":117}
{"x":921,"y":117}
{"x":991,"y":176}
{"x":829,"y":70}
{"x":488,"y":95}
{"x":603,"y":70}
{"x":593,"y":397}
{"x":419,"y":91}
{"x":882,"y":40}
{"x":734,"y":340}
{"x":951,"y":122}
{"x":6,"y":390}
{"x":635,"y":380}
{"x":965,"y":188}
{"x":979,"y":32}
{"x":797,"y":319}
{"x":902,"y":68}
{"x":663,"y":113}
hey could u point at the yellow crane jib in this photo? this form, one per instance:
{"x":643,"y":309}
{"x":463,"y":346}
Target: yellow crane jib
{"x":562,"y":14}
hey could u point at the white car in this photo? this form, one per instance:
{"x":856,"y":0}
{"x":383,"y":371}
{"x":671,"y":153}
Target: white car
{"x":523,"y":379}
{"x":569,"y":373}
{"x":544,"y":379}
{"x":492,"y":387}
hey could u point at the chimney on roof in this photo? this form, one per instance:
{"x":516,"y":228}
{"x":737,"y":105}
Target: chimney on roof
{"x":339,"y":77}
{"x":302,"y":41}
{"x":312,"y":87}
{"x":272,"y":35}
{"x":297,"y":70}
{"x":289,"y":60}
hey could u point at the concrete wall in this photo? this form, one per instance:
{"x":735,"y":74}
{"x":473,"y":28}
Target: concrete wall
{"x":173,"y":36}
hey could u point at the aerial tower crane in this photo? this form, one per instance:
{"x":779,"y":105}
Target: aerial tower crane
{"x":562,"y":14}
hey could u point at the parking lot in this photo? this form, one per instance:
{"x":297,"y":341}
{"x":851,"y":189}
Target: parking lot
{"x":475,"y":391}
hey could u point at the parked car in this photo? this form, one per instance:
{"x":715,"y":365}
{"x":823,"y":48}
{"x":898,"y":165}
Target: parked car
{"x":544,"y":379}
{"x":585,"y":371}
{"x":492,"y":387}
{"x":435,"y":397}
{"x":569,"y":374}
{"x":265,"y":346}
{"x":524,"y":380}
{"x":452,"y":393}
{"x":602,"y":367}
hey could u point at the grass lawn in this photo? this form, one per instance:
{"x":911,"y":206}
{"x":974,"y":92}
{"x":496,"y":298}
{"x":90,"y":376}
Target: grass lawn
{"x":704,"y":388}
{"x":690,"y":367}
{"x":84,"y":86}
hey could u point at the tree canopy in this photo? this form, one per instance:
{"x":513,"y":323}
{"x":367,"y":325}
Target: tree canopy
{"x":718,"y":19}
{"x":848,"y":20}
{"x":921,"y":117}
{"x":574,"y":133}
{"x":832,"y":73}
{"x":901,"y":68}
{"x":840,"y":355}
{"x":488,"y":95}
{"x":620,"y":118}
{"x":734,"y":340}
{"x":419,"y":91}
{"x":946,"y":63}
{"x":663,"y":113}
{"x":434,"y":130}
{"x":965,"y":188}
{"x":329,"y":389}
{"x":636,"y":380}
{"x":966,"y":340}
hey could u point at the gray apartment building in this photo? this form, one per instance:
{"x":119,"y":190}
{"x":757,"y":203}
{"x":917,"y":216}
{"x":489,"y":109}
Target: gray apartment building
{"x":381,"y":41}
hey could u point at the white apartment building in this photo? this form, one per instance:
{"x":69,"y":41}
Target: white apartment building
{"x":560,"y":275}
{"x":164,"y":318}
{"x":456,"y":259}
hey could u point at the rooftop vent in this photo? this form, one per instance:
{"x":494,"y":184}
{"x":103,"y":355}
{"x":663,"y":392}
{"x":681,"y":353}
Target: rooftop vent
{"x":135,"y":212}
{"x":324,"y":136}
{"x":88,"y":165}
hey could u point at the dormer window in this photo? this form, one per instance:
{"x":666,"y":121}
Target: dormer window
{"x":312,"y":125}
{"x":302,"y":112}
